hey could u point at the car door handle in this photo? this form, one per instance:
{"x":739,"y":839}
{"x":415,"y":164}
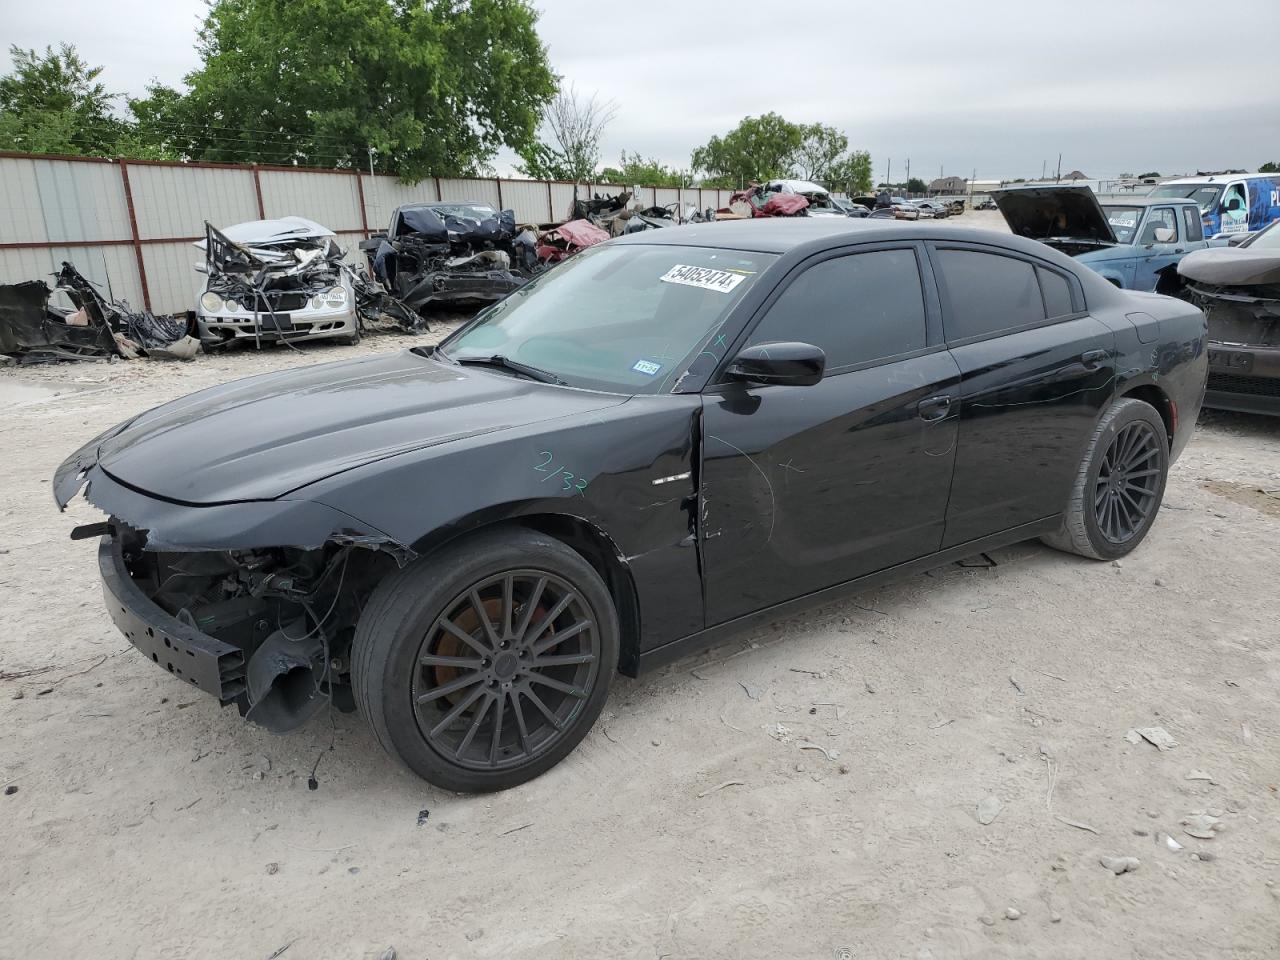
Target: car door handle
{"x":933,"y":408}
{"x":1178,"y":250}
{"x":1093,"y":359}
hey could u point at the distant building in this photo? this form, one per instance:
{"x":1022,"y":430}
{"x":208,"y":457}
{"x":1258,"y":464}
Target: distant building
{"x":948,"y":186}
{"x":1075,"y":175}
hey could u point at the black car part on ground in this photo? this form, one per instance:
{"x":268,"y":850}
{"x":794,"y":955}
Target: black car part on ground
{"x":35,"y":332}
{"x":433,"y":254}
{"x":598,"y":206}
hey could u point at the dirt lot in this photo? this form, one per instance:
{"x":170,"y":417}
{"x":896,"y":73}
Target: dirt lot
{"x":809,"y":790}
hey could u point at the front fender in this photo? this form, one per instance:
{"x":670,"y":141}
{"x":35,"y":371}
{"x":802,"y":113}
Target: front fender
{"x":628,"y":472}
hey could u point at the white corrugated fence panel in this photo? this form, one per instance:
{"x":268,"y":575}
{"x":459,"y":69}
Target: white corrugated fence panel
{"x":479,"y":191}
{"x":349,"y":240}
{"x":171,"y":276}
{"x":331,"y":199}
{"x":61,"y":200}
{"x":562,"y":201}
{"x":175,"y":201}
{"x":383,"y":194}
{"x":666,"y":195}
{"x":529,"y":200}
{"x":113,"y":268}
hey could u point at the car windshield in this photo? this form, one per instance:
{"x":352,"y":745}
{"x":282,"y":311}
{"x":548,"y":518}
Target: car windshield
{"x":624,"y":318}
{"x":471,"y":211}
{"x":1204,"y":194}
{"x":1123,"y":221}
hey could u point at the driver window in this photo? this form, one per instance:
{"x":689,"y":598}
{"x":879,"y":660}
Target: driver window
{"x":866,"y":306}
{"x":1161,"y":226}
{"x":1235,"y":205}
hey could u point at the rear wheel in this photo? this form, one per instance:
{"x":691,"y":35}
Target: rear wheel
{"x":1120,"y":484}
{"x":485,"y":665}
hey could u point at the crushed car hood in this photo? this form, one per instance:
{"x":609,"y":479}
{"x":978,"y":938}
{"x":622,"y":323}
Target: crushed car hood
{"x":1055,"y":213}
{"x":1232,"y":266}
{"x":265,"y":232}
{"x":259,"y":439}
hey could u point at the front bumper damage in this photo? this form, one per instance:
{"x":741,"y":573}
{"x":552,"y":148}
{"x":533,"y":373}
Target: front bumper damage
{"x":1244,"y":346}
{"x":253,"y":603}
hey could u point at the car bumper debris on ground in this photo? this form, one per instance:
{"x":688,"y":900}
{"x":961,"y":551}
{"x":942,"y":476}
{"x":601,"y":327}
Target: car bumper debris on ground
{"x":34,"y":331}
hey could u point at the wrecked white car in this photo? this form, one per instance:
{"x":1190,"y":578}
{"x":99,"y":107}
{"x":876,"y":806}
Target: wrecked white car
{"x":272,"y":280}
{"x":820,"y":202}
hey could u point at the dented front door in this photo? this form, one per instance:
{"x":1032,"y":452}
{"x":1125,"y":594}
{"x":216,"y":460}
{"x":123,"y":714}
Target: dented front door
{"x":807,"y":487}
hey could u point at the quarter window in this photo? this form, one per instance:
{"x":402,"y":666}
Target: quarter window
{"x":1057,"y":293}
{"x":866,"y":306}
{"x":988,"y":293}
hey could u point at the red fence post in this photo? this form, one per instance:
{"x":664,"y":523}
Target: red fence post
{"x":364,"y":217}
{"x":133,"y":229}
{"x":498,"y":181}
{"x":257,"y":189}
{"x":439,"y":195}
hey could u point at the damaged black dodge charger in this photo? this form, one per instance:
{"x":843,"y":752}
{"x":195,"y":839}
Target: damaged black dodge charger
{"x":668,"y":438}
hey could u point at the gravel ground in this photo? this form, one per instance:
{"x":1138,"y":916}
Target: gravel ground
{"x":814,"y":789}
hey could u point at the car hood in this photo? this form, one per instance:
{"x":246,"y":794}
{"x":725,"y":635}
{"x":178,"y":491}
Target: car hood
{"x":1055,"y":213}
{"x":259,"y":439}
{"x":1232,"y":266}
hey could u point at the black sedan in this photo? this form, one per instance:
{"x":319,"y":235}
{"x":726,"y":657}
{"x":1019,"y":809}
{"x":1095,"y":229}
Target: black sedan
{"x":667,"y":439}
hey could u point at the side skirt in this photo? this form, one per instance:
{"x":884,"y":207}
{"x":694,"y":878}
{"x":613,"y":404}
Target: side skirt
{"x":670,"y":652}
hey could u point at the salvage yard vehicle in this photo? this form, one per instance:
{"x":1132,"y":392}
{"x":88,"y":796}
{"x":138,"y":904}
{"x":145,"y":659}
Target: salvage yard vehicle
{"x":1239,"y":288}
{"x":904,"y":209}
{"x":452,"y":252}
{"x":667,"y":439}
{"x":1134,"y":242}
{"x":851,"y":209}
{"x":820,"y":201}
{"x":272,"y":280}
{"x":937,"y":209}
{"x":1229,"y":205}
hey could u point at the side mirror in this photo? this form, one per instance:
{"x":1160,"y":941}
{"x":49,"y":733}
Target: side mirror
{"x":792,"y":364}
{"x":201,"y":266}
{"x":1237,"y":239}
{"x":1234,"y":204}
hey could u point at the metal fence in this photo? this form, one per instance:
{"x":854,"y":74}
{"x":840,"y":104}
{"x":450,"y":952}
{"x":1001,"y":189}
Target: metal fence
{"x":128,"y":225}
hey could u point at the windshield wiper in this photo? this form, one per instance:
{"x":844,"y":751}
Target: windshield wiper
{"x":515,"y":366}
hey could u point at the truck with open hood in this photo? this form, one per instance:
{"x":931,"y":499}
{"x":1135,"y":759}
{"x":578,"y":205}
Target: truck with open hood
{"x":1134,"y":242}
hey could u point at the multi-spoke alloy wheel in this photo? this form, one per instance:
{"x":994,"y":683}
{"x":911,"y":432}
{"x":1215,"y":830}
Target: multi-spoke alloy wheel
{"x":505,"y":668}
{"x":1129,"y":480}
{"x":483,"y":665}
{"x":1119,"y":484}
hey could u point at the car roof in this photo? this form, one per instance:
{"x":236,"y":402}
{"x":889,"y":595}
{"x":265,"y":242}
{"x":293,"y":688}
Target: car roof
{"x":811,"y":234}
{"x":1125,"y":199}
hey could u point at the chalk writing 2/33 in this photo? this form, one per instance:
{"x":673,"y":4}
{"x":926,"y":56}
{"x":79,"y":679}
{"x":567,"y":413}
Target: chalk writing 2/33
{"x":571,"y":483}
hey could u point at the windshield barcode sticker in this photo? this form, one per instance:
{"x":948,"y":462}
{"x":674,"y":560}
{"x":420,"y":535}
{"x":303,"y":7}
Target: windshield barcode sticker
{"x":721,"y":281}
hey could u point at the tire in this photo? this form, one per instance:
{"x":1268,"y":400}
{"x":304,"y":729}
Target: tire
{"x":1111,"y":510}
{"x":429,"y":690}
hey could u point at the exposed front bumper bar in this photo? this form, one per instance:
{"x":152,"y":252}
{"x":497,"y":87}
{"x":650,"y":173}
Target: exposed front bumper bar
{"x":203,"y":661}
{"x":1243,"y":378}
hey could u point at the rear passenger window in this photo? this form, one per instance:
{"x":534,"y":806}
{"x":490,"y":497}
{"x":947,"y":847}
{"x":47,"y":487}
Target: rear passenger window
{"x":1191,"y":220}
{"x":988,"y":293}
{"x":866,"y":306}
{"x":1057,"y":293}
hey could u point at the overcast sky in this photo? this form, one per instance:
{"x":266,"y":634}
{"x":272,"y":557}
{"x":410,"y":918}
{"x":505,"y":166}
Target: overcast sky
{"x":1000,"y":87}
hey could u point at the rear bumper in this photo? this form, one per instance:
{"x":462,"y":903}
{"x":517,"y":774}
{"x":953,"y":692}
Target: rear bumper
{"x":203,"y":661}
{"x":1243,"y":378}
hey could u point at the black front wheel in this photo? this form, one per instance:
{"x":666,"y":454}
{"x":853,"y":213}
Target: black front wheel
{"x":1119,"y":486}
{"x":483,"y":666}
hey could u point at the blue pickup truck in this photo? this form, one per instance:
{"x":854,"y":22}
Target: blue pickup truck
{"x":1135,"y":242}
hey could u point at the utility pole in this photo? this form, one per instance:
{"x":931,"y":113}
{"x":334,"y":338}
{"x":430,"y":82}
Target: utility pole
{"x":888,"y":165}
{"x":373,"y":183}
{"x":908,"y":173}
{"x":1043,"y":164}
{"x":1059,"y":176}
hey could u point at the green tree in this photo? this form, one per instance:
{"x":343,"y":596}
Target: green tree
{"x":916,"y":185}
{"x":433,"y":86}
{"x":54,"y":103}
{"x":758,"y":148}
{"x":820,"y":153}
{"x":852,"y":173}
{"x":1149,"y":173}
{"x":1271,"y":166}
{"x":636,"y":169}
